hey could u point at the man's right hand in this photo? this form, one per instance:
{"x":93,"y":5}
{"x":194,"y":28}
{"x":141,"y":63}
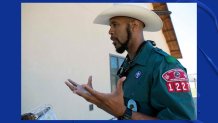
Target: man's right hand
{"x":112,"y":103}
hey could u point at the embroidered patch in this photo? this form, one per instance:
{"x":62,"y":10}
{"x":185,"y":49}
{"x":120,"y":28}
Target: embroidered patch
{"x":132,"y":105}
{"x":176,"y":80}
{"x":175,"y":75}
{"x":178,"y":86}
{"x":138,"y":74}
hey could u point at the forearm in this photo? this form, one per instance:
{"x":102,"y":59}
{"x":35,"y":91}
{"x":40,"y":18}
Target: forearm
{"x":140,"y":116}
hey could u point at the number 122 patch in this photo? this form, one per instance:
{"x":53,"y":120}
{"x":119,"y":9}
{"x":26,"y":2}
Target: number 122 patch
{"x":178,"y":86}
{"x":176,"y":80}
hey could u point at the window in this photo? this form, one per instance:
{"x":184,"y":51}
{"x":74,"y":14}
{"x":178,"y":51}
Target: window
{"x":115,"y":63}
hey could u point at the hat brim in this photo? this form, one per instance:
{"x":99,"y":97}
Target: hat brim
{"x":151,"y":20}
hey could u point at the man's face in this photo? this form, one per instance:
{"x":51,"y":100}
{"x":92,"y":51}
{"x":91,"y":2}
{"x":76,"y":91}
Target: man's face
{"x":120,"y":33}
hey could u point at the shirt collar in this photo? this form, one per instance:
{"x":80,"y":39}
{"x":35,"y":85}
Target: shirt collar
{"x":143,"y":55}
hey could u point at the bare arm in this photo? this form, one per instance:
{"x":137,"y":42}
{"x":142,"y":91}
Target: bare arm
{"x":113,"y":103}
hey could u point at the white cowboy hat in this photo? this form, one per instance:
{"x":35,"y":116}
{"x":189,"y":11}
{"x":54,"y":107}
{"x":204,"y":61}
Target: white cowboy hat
{"x":151,"y":20}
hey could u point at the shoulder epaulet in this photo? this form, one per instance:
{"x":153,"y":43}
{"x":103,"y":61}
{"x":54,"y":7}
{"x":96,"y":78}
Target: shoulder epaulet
{"x":160,"y":51}
{"x":168,"y":58}
{"x":171,"y":59}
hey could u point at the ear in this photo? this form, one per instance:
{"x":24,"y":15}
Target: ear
{"x":134,"y":25}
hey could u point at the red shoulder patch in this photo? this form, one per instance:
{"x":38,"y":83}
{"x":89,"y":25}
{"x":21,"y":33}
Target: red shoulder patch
{"x":175,"y":75}
{"x":176,"y":80}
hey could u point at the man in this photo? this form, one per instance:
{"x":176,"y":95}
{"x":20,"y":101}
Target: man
{"x":156,"y":84}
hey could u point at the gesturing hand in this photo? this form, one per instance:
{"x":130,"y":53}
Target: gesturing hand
{"x":78,"y":88}
{"x":112,"y":103}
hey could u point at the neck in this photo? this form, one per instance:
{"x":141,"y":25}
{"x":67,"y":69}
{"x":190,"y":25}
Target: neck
{"x":133,"y":46}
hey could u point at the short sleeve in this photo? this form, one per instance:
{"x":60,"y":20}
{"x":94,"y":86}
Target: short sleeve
{"x":170,"y":93}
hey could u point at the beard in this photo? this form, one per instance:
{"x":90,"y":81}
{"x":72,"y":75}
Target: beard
{"x":124,"y":46}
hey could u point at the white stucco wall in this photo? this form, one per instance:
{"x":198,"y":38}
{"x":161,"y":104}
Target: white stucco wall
{"x":59,"y":41}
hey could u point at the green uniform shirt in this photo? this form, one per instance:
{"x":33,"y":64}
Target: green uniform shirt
{"x":157,"y":85}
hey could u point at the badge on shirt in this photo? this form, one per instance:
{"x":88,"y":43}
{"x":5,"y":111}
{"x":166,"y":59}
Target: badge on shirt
{"x":132,"y":105}
{"x":138,"y":74}
{"x":176,"y":80}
